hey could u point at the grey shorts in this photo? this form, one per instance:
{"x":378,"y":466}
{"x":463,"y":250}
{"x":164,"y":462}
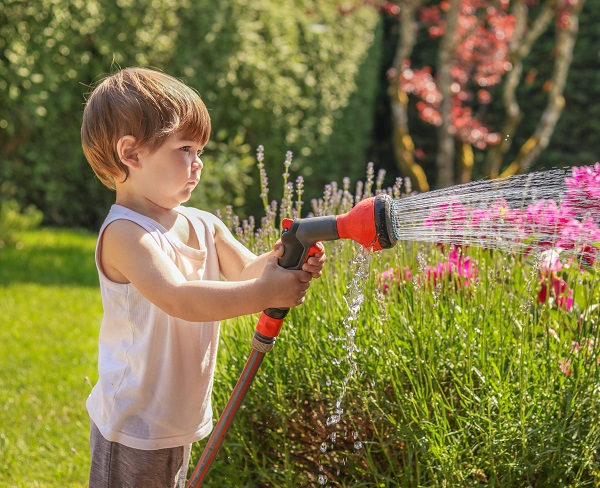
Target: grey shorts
{"x":117,"y":466}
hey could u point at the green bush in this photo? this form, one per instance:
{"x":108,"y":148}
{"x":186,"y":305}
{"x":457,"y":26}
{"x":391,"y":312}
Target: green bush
{"x":14,"y":220}
{"x":296,"y":77}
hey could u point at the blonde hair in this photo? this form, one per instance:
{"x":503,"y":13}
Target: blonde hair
{"x":144,"y":103}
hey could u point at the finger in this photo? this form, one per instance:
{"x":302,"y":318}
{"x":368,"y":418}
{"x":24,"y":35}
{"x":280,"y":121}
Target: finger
{"x":278,"y":249}
{"x":317,"y":258}
{"x":305,"y":276}
{"x":315,"y":271}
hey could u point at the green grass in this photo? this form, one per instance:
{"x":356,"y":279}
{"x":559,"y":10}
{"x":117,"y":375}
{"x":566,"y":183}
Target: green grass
{"x":48,"y":326}
{"x":455,"y":386}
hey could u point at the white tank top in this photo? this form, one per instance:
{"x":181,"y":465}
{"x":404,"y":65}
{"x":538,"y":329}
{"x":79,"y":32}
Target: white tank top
{"x":155,"y":371}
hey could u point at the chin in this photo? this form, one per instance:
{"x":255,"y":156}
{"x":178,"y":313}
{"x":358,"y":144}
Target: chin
{"x":185,"y":198}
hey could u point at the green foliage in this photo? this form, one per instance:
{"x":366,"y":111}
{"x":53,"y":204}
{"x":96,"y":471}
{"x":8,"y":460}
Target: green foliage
{"x":298,"y":78}
{"x":13,"y":220}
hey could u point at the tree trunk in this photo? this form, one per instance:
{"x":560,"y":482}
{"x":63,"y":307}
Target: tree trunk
{"x":520,"y":47}
{"x":403,"y":143}
{"x":565,"y":42}
{"x":465,"y":162}
{"x":446,"y":150}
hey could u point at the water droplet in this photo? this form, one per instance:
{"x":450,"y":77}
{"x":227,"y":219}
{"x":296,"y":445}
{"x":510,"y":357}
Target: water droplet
{"x":322,"y":479}
{"x":334,"y":419}
{"x":358,"y":445}
{"x":323,"y":447}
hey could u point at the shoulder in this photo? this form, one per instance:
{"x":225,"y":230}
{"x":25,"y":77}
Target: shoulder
{"x":121,"y":231}
{"x":123,"y":245}
{"x":214,"y":222}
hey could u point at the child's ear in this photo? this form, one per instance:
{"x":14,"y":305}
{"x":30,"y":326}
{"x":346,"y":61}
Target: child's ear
{"x":128,"y":151}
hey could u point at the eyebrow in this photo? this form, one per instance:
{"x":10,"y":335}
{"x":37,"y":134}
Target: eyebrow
{"x":186,"y":140}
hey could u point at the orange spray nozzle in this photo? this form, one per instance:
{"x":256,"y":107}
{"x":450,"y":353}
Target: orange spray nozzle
{"x":369,"y":223}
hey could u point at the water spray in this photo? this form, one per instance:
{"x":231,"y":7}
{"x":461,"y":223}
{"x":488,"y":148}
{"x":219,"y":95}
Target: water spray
{"x":526,"y":213}
{"x":369,"y":223}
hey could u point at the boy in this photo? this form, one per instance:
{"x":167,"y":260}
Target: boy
{"x":160,"y":266}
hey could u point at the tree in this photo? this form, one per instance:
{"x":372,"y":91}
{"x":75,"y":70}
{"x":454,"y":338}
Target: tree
{"x":481,"y":49}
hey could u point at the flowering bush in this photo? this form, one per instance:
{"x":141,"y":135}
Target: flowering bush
{"x":569,"y":226}
{"x":458,"y":269}
{"x":583,"y":192}
{"x":551,"y":284}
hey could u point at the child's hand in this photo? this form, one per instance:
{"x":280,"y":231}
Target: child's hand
{"x":314,"y":264}
{"x":283,"y":288}
{"x":287,"y":288}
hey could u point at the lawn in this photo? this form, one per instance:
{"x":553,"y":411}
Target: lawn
{"x":50,"y":315}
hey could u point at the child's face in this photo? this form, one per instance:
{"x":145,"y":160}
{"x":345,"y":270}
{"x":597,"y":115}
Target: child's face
{"x":169,"y":174}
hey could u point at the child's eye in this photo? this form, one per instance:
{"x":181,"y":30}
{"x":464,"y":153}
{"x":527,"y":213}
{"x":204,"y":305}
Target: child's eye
{"x":199,"y":152}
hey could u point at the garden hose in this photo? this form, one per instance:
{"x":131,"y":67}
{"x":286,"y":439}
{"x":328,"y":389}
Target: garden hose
{"x":369,"y":223}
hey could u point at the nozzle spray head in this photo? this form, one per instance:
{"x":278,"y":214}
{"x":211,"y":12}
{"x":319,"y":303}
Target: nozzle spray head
{"x":369,"y":223}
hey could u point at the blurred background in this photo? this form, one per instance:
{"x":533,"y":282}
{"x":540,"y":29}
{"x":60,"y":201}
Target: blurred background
{"x":441,"y":92}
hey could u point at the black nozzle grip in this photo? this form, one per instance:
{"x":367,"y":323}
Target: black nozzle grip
{"x":276,"y":313}
{"x":298,"y":241}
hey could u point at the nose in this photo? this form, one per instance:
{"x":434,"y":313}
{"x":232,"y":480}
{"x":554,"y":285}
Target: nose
{"x":198,"y":164}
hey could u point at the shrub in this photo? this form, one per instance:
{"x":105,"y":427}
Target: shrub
{"x":298,"y":77}
{"x":14,"y":220}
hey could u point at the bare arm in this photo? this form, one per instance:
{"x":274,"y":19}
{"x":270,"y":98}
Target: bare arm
{"x":129,"y":254}
{"x":238,"y":263}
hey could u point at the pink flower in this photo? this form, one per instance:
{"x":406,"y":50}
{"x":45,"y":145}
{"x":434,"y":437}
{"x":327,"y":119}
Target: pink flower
{"x":457,"y":266}
{"x":550,"y":261}
{"x":581,"y":237}
{"x":552,"y":284}
{"x":583,"y":192}
{"x":565,"y":366}
{"x":393,"y":276}
{"x":559,"y":289}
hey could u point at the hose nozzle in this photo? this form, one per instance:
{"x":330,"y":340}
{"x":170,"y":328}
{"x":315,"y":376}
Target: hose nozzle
{"x":369,"y":223}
